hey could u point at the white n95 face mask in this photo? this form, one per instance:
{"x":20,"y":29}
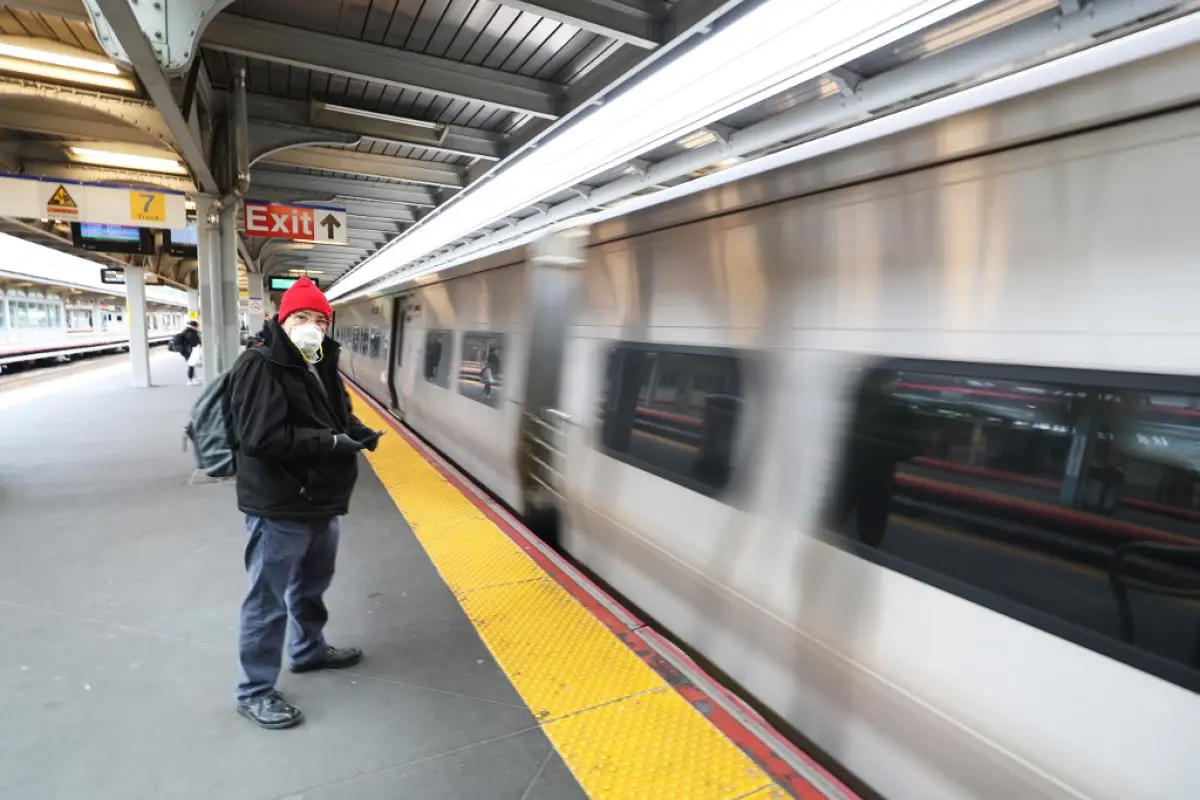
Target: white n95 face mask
{"x":307,"y":337}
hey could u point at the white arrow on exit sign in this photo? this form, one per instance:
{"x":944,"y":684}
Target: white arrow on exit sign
{"x":330,"y":226}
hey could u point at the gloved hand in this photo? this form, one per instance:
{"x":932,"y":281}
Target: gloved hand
{"x":343,"y":442}
{"x":371,"y":440}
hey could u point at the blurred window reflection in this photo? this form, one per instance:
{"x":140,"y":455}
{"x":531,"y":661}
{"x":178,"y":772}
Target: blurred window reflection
{"x":438,"y":357}
{"x":673,"y":412}
{"x":1064,"y":495}
{"x":481,"y":370}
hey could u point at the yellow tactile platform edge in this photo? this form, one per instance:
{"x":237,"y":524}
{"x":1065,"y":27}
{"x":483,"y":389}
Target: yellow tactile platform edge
{"x":623,"y":732}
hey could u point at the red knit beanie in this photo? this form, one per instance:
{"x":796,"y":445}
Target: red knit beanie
{"x":303,"y":295}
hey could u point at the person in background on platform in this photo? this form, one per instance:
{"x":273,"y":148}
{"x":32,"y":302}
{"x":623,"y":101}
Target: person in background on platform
{"x":297,"y":463}
{"x":186,"y":341}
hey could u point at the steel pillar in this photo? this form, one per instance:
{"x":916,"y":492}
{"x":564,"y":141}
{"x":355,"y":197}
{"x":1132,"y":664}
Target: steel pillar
{"x":193,"y":304}
{"x":135,"y":318}
{"x":230,"y":345}
{"x":208,"y":252}
{"x":254,"y":281}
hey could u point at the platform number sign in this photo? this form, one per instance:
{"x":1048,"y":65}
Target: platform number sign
{"x":147,"y":206}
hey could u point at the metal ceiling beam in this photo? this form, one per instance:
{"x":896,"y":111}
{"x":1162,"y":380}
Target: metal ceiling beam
{"x":276,"y":264}
{"x":393,"y":212}
{"x":128,"y":110}
{"x":67,"y":121}
{"x":298,"y":263}
{"x":338,"y":268}
{"x":289,"y":197}
{"x":123,"y":24}
{"x":451,"y":139}
{"x":345,"y":187}
{"x":389,"y":227}
{"x":352,"y":58}
{"x":631,"y":22}
{"x":269,"y":138}
{"x":366,"y":238}
{"x":336,"y":250}
{"x":370,"y":165}
{"x":687,"y":18}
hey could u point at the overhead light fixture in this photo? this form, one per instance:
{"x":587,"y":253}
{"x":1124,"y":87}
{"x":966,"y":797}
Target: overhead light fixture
{"x":778,"y":45}
{"x":109,"y":158}
{"x":697,"y":139}
{"x":75,"y":77}
{"x":46,"y":52}
{"x":358,"y":112}
{"x":41,"y":58}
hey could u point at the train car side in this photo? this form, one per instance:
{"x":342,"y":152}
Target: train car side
{"x":997,"y":285}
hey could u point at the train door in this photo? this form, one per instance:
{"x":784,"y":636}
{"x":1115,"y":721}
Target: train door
{"x":396,"y":363}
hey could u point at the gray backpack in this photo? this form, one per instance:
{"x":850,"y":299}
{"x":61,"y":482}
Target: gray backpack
{"x":211,"y":430}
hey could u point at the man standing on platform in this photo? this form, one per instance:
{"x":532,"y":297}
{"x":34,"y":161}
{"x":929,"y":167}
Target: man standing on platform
{"x":297,"y":463}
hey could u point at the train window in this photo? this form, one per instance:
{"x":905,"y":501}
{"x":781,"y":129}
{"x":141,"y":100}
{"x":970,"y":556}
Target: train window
{"x":375,"y":343}
{"x":1069,"y":500}
{"x":674,"y":412}
{"x":438,"y":357}
{"x":481,"y":370}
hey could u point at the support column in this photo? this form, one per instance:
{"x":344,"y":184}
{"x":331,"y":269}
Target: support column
{"x":208,"y":251}
{"x":231,"y":329}
{"x":193,"y":304}
{"x":135,"y":316}
{"x":254,"y":281}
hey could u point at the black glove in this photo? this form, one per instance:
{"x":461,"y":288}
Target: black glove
{"x":343,"y":442}
{"x":370,"y":439}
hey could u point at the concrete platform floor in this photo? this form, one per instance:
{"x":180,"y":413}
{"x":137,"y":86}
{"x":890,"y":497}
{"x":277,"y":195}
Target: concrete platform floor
{"x":119,"y":591}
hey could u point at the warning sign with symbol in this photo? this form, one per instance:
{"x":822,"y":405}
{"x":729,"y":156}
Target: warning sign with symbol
{"x":61,"y":205}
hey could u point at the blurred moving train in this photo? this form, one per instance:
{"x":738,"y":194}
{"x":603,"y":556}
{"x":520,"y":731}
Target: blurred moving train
{"x":905,"y":439}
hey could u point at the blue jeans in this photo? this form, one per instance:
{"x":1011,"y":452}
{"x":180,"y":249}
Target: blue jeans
{"x":290,"y":564}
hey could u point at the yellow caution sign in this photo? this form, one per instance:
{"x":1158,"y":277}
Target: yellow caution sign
{"x":147,"y":207}
{"x":61,"y":204}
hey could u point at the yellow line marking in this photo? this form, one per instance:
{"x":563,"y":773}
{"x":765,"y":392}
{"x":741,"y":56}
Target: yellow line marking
{"x":621,"y":729}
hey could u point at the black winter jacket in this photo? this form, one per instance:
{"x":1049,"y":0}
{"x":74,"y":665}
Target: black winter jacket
{"x":285,"y":423}
{"x":188,"y":340}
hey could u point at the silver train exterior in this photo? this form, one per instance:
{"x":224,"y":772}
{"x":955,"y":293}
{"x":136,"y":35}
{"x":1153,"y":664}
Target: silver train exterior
{"x":1023,"y":256}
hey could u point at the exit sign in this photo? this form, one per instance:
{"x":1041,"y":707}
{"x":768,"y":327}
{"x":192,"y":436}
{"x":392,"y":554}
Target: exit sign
{"x":301,"y":223}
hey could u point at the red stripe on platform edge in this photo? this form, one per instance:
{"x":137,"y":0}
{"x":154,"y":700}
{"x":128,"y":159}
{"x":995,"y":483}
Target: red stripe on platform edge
{"x":662,"y":643}
{"x":760,"y":751}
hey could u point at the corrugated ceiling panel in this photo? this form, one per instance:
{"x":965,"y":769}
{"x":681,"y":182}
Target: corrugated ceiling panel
{"x":16,"y":22}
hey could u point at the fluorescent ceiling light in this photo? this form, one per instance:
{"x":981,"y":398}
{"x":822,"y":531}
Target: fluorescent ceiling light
{"x":108,"y":158}
{"x":79,"y":77}
{"x":46,"y":52}
{"x":698,"y":139}
{"x":778,"y":45}
{"x":358,"y":112}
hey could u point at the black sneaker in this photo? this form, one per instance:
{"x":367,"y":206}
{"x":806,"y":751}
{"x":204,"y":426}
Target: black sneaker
{"x":332,"y":658}
{"x":270,"y":710}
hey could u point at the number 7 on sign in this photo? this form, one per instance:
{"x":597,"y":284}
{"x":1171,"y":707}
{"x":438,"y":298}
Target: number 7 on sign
{"x":147,"y":207}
